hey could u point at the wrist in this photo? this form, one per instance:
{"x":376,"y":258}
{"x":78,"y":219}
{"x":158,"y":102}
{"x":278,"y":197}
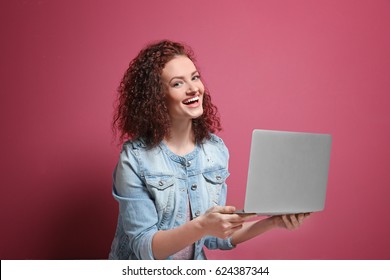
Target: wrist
{"x":273,"y":221}
{"x":199,"y":226}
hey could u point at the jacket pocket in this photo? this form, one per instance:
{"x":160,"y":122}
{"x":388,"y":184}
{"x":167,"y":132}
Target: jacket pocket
{"x":214,"y":183}
{"x":161,"y":190}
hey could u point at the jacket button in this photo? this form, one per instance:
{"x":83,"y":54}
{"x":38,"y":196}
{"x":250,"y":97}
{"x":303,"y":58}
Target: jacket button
{"x":194,"y":187}
{"x":197,"y":213}
{"x":188,"y":163}
{"x":218,"y":177}
{"x":161,"y":183}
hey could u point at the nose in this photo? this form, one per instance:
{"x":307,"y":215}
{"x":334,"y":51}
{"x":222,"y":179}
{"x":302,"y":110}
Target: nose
{"x":192,"y":89}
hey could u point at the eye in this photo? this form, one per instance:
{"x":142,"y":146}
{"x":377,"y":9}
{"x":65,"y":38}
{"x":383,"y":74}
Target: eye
{"x":196,"y":77}
{"x":177,"y":84}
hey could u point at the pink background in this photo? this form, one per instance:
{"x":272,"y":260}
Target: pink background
{"x":321,"y":66}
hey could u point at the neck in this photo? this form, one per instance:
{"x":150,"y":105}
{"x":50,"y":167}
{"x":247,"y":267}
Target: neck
{"x":181,"y":139}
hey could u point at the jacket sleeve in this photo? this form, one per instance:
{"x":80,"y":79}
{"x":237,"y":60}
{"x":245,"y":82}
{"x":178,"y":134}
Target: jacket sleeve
{"x":136,"y":207}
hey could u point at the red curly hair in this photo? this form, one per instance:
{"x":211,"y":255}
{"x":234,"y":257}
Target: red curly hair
{"x":141,"y":111}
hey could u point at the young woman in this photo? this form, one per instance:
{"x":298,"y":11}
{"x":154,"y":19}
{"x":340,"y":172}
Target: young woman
{"x":170,"y":177}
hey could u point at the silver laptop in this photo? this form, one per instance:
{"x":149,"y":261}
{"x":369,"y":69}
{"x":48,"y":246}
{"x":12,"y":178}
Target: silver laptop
{"x":288,"y":172}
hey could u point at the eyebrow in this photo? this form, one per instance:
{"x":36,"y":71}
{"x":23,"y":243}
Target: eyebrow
{"x":182,"y":77}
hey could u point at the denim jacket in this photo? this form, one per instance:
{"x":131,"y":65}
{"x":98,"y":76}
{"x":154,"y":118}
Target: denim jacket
{"x":152,"y":187}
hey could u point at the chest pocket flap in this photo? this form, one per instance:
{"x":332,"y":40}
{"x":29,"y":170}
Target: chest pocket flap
{"x":160,"y":182}
{"x":217,"y":176}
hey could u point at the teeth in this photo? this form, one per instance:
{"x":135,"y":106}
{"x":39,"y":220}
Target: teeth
{"x":191,"y":100}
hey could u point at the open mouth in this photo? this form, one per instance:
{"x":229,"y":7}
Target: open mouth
{"x":192,"y":100}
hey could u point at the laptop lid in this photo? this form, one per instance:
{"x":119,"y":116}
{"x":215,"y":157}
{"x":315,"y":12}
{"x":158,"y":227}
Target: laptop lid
{"x":288,"y":172}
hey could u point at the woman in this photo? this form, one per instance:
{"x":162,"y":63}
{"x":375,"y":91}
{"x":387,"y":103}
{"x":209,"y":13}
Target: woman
{"x":170,"y":177}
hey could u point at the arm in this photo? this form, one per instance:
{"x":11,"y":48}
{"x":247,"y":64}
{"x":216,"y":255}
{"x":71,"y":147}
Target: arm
{"x":253,"y":229}
{"x":217,"y":221}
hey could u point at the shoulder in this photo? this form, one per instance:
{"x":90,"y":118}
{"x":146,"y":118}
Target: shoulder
{"x":134,"y":144}
{"x":131,"y":150}
{"x":215,"y":141}
{"x":215,"y":144}
{"x":136,"y":156}
{"x":139,"y":151}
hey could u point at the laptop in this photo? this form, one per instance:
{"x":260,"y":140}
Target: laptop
{"x":288,"y":172}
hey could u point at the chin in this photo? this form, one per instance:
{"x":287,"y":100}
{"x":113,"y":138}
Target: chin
{"x":197,"y":115}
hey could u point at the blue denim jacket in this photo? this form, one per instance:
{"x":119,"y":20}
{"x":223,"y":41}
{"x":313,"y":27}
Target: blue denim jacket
{"x":152,"y":186}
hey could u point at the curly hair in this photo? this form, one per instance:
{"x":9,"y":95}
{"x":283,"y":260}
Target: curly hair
{"x":141,"y":111}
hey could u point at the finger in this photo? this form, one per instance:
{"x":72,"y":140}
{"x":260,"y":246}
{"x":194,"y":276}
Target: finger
{"x":221,"y":209}
{"x":234,"y":218}
{"x":230,"y":232}
{"x":227,"y":209}
{"x":294,"y":221}
{"x":247,"y":216}
{"x":301,"y":217}
{"x":287,"y":223}
{"x":236,"y":224}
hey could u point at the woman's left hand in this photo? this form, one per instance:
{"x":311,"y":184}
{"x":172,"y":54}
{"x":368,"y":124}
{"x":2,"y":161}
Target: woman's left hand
{"x":291,"y":221}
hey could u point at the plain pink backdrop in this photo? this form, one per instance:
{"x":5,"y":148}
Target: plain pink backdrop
{"x":321,"y":66}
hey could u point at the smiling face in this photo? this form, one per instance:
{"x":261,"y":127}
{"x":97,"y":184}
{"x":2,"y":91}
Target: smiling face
{"x":184,"y":89}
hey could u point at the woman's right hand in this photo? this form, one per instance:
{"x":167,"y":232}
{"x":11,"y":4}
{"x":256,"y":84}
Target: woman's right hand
{"x":221,"y":222}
